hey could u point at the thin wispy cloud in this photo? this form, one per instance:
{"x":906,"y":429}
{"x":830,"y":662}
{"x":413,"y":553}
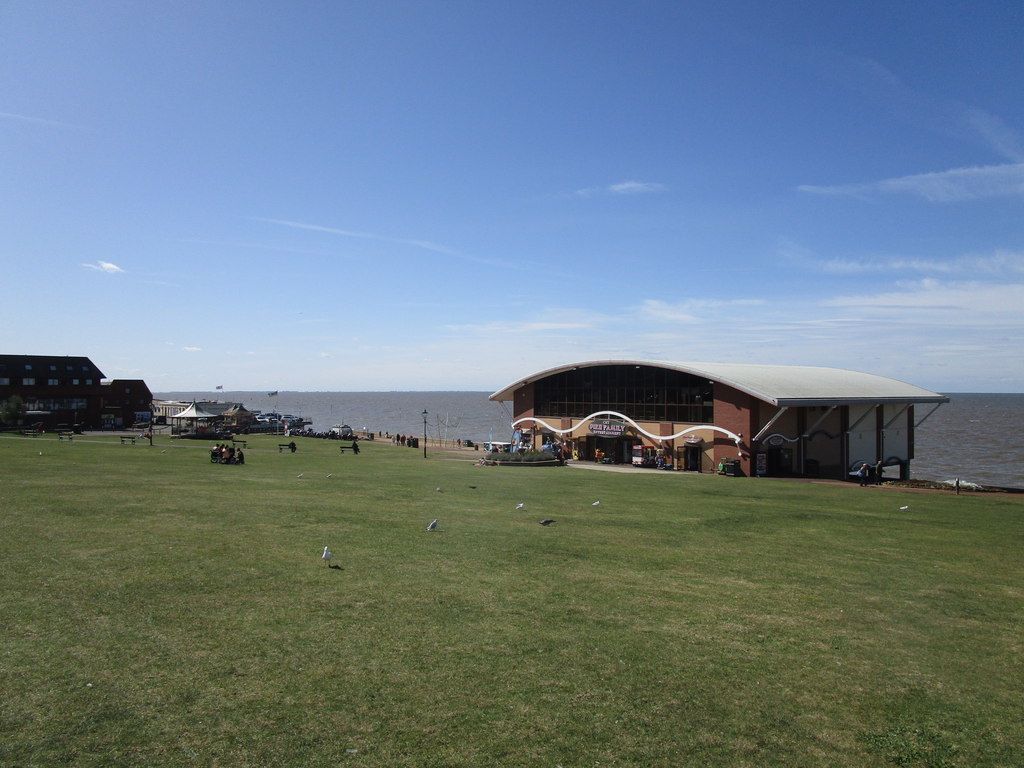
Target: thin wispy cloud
{"x":623,"y":188}
{"x":956,"y":185}
{"x":952,"y":304}
{"x":104,"y":266}
{"x":692,"y":310}
{"x":1006,"y":263}
{"x":947,"y":117}
{"x":416,"y":243}
{"x":426,"y":245}
{"x":38,"y":120}
{"x":528,"y":326}
{"x":192,"y":349}
{"x":996,"y":133}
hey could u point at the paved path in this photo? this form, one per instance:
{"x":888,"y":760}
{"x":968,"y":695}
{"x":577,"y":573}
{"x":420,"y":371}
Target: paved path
{"x":619,"y":468}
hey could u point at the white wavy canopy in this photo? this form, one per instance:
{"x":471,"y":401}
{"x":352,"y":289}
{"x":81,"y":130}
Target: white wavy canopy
{"x":731,"y":435}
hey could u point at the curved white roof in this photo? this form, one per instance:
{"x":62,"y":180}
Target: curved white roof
{"x":194,"y":412}
{"x":781,"y":385}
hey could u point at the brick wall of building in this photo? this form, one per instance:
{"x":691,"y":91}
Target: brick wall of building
{"x":737,"y":412}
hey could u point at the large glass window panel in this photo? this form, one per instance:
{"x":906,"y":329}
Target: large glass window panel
{"x":641,"y":392}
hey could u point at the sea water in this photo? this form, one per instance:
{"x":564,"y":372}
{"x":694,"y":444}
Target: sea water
{"x":976,"y":437}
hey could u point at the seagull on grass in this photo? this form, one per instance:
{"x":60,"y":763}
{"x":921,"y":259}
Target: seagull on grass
{"x":326,"y":557}
{"x":547,"y":521}
{"x":330,"y":476}
{"x":596,"y":503}
{"x":433,"y":525}
{"x":904,"y":509}
{"x":299,"y":476}
{"x":438,"y":489}
{"x":520,"y":505}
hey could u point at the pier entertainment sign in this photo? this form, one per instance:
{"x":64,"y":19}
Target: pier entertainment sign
{"x":607,"y":428}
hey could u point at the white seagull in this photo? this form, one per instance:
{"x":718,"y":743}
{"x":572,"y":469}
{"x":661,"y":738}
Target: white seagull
{"x":520,"y":505}
{"x":300,"y":474}
{"x":438,"y":489}
{"x":596,"y":503}
{"x":433,"y":525}
{"x":330,"y":476}
{"x":326,"y":557}
{"x":904,"y":509}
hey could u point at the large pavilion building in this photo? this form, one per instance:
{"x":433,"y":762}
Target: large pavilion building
{"x":60,"y":391}
{"x":757,"y":420}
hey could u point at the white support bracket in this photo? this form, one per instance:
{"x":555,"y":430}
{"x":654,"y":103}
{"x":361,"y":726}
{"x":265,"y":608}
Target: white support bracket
{"x":933,"y":410}
{"x":867,"y":413}
{"x":814,"y":426}
{"x":893,"y":419}
{"x":768,"y":426}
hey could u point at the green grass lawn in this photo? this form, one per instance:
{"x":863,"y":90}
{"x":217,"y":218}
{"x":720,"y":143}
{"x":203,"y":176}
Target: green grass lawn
{"x":157,"y":609}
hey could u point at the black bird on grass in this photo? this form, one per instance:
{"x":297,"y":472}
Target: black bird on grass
{"x":546,"y":521}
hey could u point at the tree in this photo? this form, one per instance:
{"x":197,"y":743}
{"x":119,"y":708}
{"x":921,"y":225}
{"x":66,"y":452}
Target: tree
{"x":10,"y":410}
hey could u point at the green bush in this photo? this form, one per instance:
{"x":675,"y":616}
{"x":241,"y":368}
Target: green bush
{"x":523,"y":457}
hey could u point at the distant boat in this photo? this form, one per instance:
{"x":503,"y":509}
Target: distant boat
{"x":272,"y":394}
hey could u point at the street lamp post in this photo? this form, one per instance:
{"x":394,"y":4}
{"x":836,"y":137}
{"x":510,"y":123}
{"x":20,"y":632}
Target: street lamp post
{"x":424,"y":433}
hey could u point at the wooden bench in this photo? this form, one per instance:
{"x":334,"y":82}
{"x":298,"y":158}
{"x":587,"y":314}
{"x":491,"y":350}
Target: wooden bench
{"x":354,"y":447}
{"x":243,"y":443}
{"x":125,"y":439}
{"x":65,"y":435}
{"x":282,"y":447}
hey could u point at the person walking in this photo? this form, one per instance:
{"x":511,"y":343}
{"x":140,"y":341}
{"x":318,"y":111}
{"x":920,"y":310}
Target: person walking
{"x":863,"y":474}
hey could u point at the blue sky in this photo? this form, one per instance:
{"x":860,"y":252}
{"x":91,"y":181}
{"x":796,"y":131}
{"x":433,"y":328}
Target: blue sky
{"x":453,"y":195}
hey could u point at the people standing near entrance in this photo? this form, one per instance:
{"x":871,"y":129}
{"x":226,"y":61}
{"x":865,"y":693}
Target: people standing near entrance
{"x":862,"y":473}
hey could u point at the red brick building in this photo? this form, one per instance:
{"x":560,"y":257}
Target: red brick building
{"x":768,"y":420}
{"x":64,"y":391}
